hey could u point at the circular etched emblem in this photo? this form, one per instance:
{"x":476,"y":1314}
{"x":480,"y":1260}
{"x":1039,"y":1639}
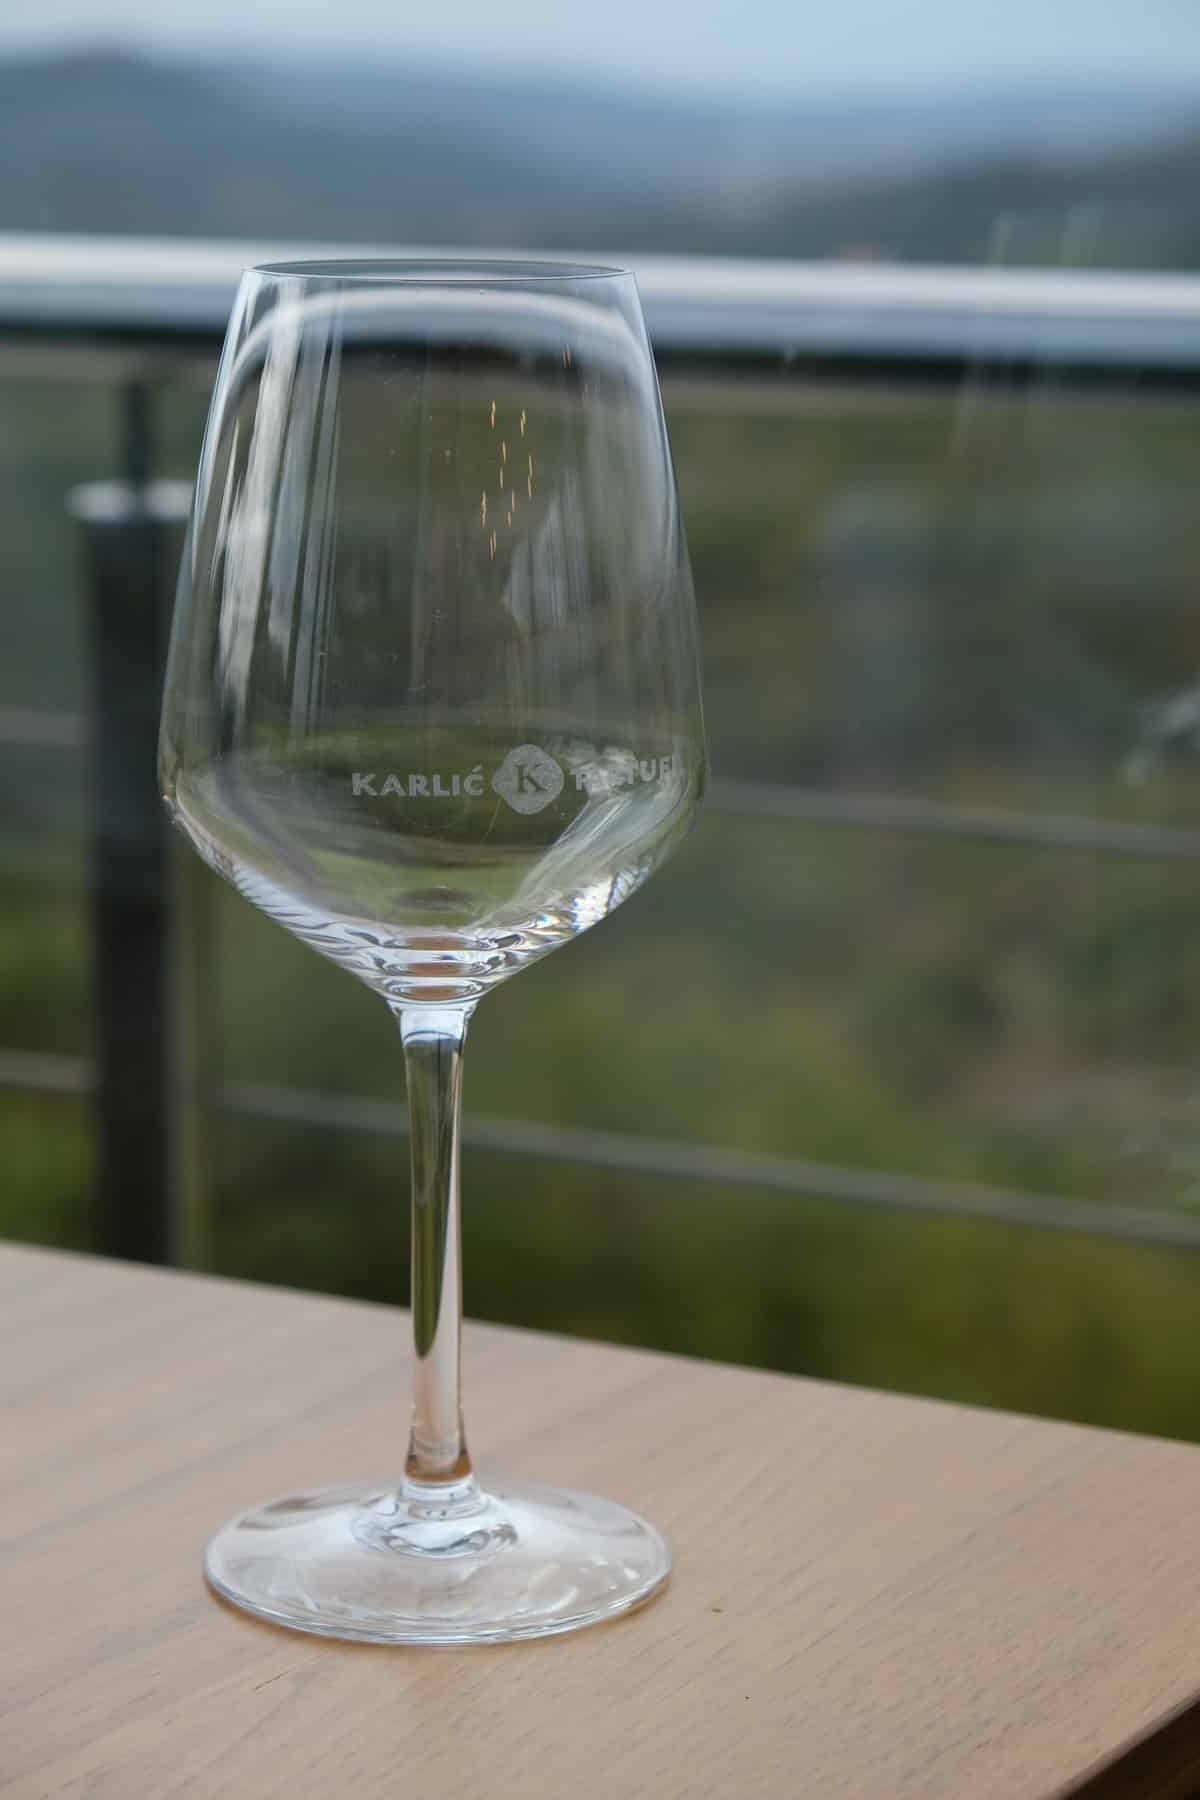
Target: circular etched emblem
{"x":528,"y":779}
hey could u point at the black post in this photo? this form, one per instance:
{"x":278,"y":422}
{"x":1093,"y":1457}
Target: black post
{"x":131,"y":539}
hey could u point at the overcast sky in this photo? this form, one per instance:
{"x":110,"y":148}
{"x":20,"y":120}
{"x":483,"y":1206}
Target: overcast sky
{"x":767,"y":45}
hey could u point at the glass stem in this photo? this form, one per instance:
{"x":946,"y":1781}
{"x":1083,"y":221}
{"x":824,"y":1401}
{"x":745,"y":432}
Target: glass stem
{"x":438,"y":1468}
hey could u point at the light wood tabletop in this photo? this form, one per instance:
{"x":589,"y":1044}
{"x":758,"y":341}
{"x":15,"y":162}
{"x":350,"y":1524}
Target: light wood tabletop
{"x":873,"y":1596}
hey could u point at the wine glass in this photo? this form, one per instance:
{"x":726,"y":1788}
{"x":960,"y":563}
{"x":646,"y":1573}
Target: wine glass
{"x":433,"y":704}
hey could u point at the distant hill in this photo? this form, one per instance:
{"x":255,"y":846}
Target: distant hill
{"x":1129,"y":209}
{"x":105,"y":141}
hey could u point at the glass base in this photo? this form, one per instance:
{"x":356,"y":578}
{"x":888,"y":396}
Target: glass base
{"x":454,"y":1566}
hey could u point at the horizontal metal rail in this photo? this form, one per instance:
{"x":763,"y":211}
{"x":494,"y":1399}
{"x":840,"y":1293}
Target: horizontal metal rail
{"x":172,"y":290}
{"x":633,"y":1155}
{"x":38,"y":1072}
{"x":933,"y":818}
{"x":809,"y":806}
{"x":35,"y":729}
{"x":637,"y":1155}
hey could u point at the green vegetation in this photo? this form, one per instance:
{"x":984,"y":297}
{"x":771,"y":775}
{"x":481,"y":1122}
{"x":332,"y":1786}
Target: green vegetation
{"x":970,"y":601}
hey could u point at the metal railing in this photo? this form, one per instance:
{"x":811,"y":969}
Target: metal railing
{"x":130,"y":291}
{"x":172,"y":299}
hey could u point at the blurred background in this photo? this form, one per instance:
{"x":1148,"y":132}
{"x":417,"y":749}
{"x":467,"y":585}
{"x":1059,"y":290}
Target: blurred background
{"x":892,"y":1075}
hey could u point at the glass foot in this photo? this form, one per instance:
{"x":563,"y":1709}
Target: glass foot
{"x":457,"y":1566}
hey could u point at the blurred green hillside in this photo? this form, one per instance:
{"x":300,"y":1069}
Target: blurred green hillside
{"x":974,"y":600}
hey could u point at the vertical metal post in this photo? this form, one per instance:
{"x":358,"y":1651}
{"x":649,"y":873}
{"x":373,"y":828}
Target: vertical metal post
{"x":132,"y":531}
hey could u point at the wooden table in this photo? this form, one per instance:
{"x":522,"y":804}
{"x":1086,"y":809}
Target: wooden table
{"x":872,"y":1596}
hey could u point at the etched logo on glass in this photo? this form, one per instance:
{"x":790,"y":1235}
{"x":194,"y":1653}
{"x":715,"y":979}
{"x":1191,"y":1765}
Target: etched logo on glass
{"x":528,"y":778}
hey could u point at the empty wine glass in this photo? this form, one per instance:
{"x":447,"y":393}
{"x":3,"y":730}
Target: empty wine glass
{"x":433,"y":704}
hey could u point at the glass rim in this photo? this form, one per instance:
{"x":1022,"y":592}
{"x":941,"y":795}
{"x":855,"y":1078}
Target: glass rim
{"x":431,"y":271}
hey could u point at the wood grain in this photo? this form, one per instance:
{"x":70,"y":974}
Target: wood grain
{"x":872,"y":1595}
